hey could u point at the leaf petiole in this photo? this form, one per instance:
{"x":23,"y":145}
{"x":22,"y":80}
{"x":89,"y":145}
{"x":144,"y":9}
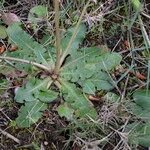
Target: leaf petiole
{"x":73,"y":36}
{"x":26,"y":62}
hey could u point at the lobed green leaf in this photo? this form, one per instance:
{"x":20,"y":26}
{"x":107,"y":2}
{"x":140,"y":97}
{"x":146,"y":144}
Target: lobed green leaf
{"x":35,"y":90}
{"x":28,"y":48}
{"x":30,"y":113}
{"x":90,"y":69}
{"x":65,"y":111}
{"x":142,"y":98}
{"x":139,"y":133}
{"x":77,"y":101}
{"x":80,"y":35}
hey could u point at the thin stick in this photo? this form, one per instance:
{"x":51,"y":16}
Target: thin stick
{"x":146,"y":15}
{"x":73,"y":36}
{"x":58,"y":50}
{"x":10,"y":136}
{"x":26,"y":62}
{"x":144,"y":31}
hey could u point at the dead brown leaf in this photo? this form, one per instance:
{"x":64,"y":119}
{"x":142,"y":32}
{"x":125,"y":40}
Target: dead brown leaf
{"x":9,"y":18}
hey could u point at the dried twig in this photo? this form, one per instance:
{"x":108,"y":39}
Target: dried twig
{"x":10,"y":136}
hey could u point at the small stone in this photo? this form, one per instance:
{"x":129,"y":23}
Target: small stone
{"x":45,"y":143}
